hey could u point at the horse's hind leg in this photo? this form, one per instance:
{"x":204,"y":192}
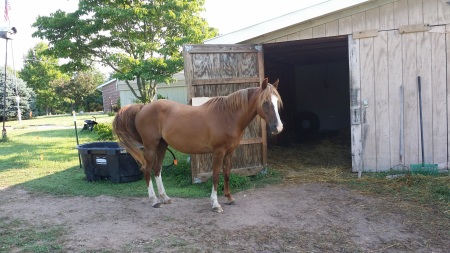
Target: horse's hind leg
{"x":160,"y":153}
{"x":150,"y":156}
{"x":226,"y":178}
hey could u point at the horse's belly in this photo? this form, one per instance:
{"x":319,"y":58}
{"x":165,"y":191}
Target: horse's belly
{"x":188,"y":145}
{"x":188,"y":141}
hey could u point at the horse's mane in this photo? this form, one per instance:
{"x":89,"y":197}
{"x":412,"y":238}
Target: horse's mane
{"x":234,"y":101}
{"x":239,"y":99}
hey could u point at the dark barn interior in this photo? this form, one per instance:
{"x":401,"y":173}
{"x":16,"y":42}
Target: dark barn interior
{"x":314,"y":86}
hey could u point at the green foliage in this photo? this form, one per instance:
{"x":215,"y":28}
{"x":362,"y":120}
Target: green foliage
{"x":104,"y":132}
{"x":93,"y":102}
{"x":159,"y":96}
{"x":38,"y":72}
{"x":143,"y":39}
{"x":16,"y":86}
{"x":57,"y":92}
{"x":80,"y":91}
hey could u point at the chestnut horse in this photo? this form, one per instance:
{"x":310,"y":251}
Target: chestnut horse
{"x":215,"y":127}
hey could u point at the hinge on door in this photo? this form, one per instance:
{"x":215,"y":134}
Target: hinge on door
{"x":414,"y":28}
{"x":440,"y":29}
{"x":356,"y":116}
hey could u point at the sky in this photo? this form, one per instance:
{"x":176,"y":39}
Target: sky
{"x":227,"y":16}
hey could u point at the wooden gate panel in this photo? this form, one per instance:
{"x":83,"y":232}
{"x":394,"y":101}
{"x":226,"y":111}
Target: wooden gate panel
{"x":219,"y":70}
{"x":213,"y":66}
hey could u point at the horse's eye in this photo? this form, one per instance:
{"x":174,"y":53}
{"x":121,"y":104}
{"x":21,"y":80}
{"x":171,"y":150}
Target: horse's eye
{"x":266,"y":105}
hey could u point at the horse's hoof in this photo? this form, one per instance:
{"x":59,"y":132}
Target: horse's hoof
{"x":157,"y":205}
{"x":217,"y":209}
{"x":168,"y":201}
{"x":231,"y":203}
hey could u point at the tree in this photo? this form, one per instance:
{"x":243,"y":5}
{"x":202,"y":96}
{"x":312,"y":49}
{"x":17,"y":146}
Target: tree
{"x":139,"y":39}
{"x":80,"y":91}
{"x":39,"y":71}
{"x":16,"y":87}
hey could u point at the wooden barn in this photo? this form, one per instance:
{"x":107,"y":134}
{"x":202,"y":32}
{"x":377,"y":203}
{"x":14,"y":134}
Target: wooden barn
{"x":343,"y":65}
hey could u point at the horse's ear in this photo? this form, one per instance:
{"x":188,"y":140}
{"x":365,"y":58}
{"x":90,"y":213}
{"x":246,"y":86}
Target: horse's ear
{"x":275,"y":84}
{"x":264,"y":84}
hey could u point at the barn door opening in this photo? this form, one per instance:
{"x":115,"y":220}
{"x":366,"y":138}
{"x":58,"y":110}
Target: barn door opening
{"x":315,"y":88}
{"x":314,"y":85}
{"x":219,"y":70}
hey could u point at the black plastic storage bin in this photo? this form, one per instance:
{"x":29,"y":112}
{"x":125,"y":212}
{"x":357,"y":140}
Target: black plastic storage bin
{"x":108,"y":161}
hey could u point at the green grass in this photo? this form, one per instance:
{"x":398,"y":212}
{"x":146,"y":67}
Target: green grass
{"x":60,"y":120}
{"x":46,"y":160}
{"x":423,"y":189}
{"x":20,"y":236}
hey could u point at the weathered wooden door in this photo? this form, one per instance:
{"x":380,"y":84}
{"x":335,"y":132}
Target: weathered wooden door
{"x":219,"y":70}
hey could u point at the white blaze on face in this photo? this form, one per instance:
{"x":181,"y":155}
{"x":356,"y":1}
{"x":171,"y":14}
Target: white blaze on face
{"x":275,"y":107}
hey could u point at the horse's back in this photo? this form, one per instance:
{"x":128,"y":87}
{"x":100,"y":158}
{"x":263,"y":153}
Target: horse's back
{"x":184,"y":127}
{"x":165,"y":108}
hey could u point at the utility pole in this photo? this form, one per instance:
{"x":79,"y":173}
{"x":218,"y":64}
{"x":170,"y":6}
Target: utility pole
{"x":6,"y":34}
{"x":4,"y":93}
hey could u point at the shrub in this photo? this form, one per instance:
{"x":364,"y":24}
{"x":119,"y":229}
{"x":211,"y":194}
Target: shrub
{"x":104,"y":132}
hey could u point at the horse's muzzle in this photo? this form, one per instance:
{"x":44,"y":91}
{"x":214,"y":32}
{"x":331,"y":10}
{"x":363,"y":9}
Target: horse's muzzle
{"x":276,"y":128}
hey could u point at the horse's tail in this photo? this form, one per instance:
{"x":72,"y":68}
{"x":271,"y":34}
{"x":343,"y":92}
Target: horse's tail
{"x":125,"y":129}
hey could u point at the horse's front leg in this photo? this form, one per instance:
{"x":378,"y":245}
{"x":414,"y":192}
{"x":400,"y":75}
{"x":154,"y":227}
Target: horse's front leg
{"x":226,"y":178}
{"x":217,"y":165}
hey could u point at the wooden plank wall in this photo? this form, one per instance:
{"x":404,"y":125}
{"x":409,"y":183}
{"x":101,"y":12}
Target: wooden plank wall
{"x":385,"y":14}
{"x":389,"y":64}
{"x":396,"y":99}
{"x":355,"y":105}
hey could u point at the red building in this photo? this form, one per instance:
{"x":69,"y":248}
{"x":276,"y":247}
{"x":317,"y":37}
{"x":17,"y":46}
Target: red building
{"x":110,"y":94}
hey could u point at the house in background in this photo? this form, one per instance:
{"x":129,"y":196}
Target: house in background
{"x":175,"y":91}
{"x":110,"y":94}
{"x":116,"y":90}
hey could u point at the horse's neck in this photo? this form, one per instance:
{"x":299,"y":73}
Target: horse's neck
{"x":249,"y":113}
{"x":240,"y":115}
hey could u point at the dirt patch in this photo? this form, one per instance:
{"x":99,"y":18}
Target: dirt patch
{"x":312,"y":217}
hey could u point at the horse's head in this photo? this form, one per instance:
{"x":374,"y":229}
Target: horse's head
{"x":269,"y":105}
